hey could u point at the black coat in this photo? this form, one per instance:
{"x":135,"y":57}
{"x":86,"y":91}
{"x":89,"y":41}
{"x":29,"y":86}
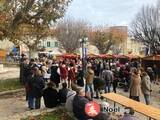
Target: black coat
{"x":35,"y":86}
{"x":63,"y":95}
{"x":98,"y":83}
{"x":80,"y":81}
{"x":79,"y":103}
{"x":24,"y":73}
{"x":55,"y":77}
{"x":50,"y":97}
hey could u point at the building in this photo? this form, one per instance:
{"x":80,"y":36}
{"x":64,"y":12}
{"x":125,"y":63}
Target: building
{"x":135,"y":47}
{"x":51,"y":45}
{"x":48,"y":45}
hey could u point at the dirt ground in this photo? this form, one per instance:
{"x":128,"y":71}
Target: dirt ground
{"x":17,"y":104}
{"x":14,"y":105}
{"x":9,"y":73}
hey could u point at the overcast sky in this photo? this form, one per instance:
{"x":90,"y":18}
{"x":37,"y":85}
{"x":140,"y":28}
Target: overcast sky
{"x":106,"y":12}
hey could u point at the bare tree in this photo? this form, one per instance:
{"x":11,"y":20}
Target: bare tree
{"x":146,"y":27}
{"x":101,"y":39}
{"x":109,"y":38}
{"x":69,"y":31}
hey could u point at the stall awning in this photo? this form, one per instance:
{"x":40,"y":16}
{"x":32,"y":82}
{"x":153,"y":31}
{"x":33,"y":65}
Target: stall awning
{"x":105,"y":56}
{"x":152,"y":58}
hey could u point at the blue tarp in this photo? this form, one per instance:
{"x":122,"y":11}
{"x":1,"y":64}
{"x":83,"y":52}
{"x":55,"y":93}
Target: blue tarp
{"x":15,"y":50}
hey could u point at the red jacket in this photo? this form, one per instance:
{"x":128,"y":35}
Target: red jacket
{"x":63,"y":72}
{"x":72,"y":74}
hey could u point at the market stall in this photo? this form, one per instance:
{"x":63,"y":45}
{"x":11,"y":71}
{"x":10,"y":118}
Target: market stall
{"x":133,"y":57}
{"x":92,"y":56}
{"x":150,"y":61}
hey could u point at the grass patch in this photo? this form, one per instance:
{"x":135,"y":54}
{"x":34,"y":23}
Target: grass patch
{"x":10,"y":84}
{"x":56,"y":115}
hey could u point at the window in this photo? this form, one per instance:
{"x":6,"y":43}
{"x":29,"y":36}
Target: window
{"x":56,"y":44}
{"x":48,"y":44}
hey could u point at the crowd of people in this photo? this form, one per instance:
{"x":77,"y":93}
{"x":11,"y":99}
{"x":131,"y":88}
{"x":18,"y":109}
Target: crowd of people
{"x":63,"y":82}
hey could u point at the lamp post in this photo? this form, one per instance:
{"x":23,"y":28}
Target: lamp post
{"x":83,"y":42}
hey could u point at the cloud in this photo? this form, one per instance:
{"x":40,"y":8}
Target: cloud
{"x":103,"y":11}
{"x":123,"y":23}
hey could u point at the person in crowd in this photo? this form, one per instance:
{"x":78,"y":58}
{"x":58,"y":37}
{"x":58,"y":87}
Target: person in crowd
{"x":80,"y":75}
{"x":70,"y":96}
{"x":115,"y":79}
{"x":103,"y":105}
{"x":71,"y":75}
{"x":101,"y":116}
{"x":55,"y":74}
{"x":101,"y":67}
{"x":107,"y":75}
{"x":99,"y":84}
{"x":37,"y":63}
{"x":98,"y":68}
{"x":63,"y":72}
{"x":48,"y":66}
{"x":63,"y":93}
{"x":37,"y":88}
{"x":89,"y":81}
{"x":44,"y":71}
{"x":50,"y":96}
{"x":135,"y":85}
{"x":23,"y":70}
{"x":129,"y":115}
{"x":22,"y":57}
{"x":31,"y":65}
{"x":135,"y":64}
{"x":146,"y":87}
{"x":79,"y":103}
{"x":151,"y":74}
{"x":156,"y":73}
{"x":94,"y":66}
{"x":127,"y":76}
{"x":31,"y":82}
{"x":121,"y":74}
{"x":24,"y":73}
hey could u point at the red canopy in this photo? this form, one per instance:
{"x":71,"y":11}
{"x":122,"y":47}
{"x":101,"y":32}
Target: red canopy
{"x":105,"y":56}
{"x":129,"y":56}
{"x":119,"y":56}
{"x":71,"y":56}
